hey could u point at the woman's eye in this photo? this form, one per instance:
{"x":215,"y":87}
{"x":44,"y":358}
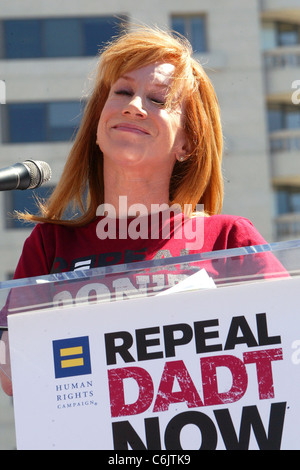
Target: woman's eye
{"x":157,"y":101}
{"x":123,"y":92}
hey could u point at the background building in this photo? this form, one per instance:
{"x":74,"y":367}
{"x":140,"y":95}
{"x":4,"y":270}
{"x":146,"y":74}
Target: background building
{"x":250,"y":50}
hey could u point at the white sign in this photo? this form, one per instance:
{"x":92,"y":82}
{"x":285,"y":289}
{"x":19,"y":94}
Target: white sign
{"x":211,"y":369}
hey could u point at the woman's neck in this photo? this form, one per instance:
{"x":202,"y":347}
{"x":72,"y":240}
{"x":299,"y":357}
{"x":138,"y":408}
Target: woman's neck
{"x":125,"y":192}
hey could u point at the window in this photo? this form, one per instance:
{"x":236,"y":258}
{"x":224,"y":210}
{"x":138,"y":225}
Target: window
{"x":288,"y":200}
{"x":288,"y":210}
{"x":275,"y":121}
{"x":63,"y":120}
{"x":41,"y":122}
{"x":193,"y":28}
{"x":283,"y":116}
{"x":21,"y":39}
{"x":26,"y":122}
{"x":62,"y":38}
{"x":21,"y":201}
{"x":268,"y":36}
{"x":288,"y":34}
{"x":278,"y":34}
{"x":57,"y":37}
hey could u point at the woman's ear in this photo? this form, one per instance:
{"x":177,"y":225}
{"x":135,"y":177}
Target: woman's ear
{"x":184,"y":152}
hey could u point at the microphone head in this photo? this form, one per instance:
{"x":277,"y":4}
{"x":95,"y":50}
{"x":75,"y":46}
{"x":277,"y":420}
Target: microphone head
{"x":40,"y":172}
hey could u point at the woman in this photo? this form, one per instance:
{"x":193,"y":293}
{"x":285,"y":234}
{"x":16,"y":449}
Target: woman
{"x":151,"y":134}
{"x":146,"y":158}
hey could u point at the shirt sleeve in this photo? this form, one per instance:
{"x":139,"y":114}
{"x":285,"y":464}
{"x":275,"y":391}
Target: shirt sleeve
{"x":34,"y":260}
{"x":256,"y":263}
{"x":243,"y":233}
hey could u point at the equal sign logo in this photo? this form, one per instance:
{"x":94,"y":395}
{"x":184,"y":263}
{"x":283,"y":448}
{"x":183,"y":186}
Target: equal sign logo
{"x":71,"y":357}
{"x":2,"y":92}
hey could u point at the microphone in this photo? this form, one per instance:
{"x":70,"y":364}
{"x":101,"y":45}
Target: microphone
{"x":27,"y":175}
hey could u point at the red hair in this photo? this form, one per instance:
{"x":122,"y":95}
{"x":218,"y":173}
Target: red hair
{"x":197,"y":180}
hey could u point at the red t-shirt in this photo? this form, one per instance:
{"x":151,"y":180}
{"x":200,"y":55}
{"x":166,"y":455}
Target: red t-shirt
{"x":54,"y":248}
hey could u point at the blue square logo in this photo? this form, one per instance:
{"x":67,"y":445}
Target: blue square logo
{"x":71,"y":357}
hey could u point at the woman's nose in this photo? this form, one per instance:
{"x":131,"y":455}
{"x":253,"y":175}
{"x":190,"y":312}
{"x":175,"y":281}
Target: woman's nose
{"x":135,"y":107}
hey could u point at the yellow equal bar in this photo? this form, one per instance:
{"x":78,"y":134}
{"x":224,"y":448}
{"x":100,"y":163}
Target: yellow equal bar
{"x":71,"y":351}
{"x":72,"y":363}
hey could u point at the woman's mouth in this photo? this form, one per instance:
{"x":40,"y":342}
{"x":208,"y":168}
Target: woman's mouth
{"x":127,"y":127}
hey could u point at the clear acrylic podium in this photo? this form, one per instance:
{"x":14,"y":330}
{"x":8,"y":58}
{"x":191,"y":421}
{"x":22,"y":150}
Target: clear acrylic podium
{"x":261,"y":265}
{"x":140,"y":279}
{"x":225,"y":267}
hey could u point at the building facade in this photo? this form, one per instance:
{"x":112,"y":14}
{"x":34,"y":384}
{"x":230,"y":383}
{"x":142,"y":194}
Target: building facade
{"x":250,"y":50}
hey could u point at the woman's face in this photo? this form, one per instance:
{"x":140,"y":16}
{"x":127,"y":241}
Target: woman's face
{"x":135,"y":129}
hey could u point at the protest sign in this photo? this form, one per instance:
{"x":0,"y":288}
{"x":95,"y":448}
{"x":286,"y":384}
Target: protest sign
{"x":211,"y":369}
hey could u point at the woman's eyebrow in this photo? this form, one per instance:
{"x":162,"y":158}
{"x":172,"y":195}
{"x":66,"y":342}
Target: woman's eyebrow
{"x":157,"y":84}
{"x":126,"y":77}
